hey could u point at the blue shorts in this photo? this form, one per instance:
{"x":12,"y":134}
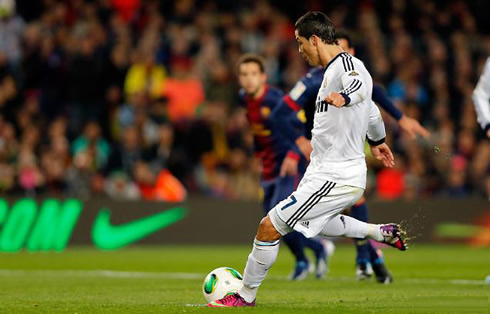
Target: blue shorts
{"x":278,"y":189}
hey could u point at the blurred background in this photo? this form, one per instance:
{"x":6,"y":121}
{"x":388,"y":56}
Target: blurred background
{"x":119,"y":125}
{"x":137,"y":99}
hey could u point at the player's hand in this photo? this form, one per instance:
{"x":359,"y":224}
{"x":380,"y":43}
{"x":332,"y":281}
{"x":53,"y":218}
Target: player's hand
{"x":413,"y":127}
{"x":383,"y":153}
{"x":335,"y":99}
{"x":304,"y":146}
{"x":289,"y":167}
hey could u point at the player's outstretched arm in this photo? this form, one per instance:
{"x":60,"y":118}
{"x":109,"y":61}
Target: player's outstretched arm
{"x":379,"y":96}
{"x":481,"y":96}
{"x":411,"y":126}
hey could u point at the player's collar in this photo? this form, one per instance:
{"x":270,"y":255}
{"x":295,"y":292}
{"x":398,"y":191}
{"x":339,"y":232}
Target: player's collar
{"x":335,"y":58}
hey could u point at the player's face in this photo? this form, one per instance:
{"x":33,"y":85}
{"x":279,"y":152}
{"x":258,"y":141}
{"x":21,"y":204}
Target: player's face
{"x":345,"y":45}
{"x":307,"y":49}
{"x":251,"y":78}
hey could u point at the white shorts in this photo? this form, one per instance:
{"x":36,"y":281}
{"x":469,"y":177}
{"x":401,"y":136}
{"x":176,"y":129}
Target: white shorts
{"x":308,"y":209}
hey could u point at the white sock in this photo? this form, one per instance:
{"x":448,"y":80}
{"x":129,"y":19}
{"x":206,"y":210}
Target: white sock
{"x":259,"y":261}
{"x":374,"y":232}
{"x":345,"y":226}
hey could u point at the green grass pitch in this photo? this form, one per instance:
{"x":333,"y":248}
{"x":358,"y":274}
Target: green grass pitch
{"x":167,"y":279}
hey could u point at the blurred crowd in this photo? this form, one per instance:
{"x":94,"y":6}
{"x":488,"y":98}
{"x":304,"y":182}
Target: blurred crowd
{"x":118,"y":97}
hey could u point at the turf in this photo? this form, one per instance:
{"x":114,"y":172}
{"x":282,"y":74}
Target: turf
{"x":167,"y":279}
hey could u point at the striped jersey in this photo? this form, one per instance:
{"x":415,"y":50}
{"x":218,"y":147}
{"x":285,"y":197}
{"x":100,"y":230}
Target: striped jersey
{"x":339,"y":134}
{"x":270,"y":145}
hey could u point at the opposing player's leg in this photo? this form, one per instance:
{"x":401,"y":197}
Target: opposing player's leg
{"x":295,"y":242}
{"x":321,"y":256}
{"x":363,"y":257}
{"x":263,"y":256}
{"x":383,"y":275}
{"x":368,"y":259}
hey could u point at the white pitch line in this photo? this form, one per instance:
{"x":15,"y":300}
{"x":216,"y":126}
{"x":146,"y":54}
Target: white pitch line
{"x":194,"y":276}
{"x":101,"y":273}
{"x":439,"y":281}
{"x":195,"y":305}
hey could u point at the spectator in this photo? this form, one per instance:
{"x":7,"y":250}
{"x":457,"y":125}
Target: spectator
{"x":120,"y":187}
{"x":127,"y":153}
{"x":145,"y":76}
{"x":184,"y":92}
{"x":94,"y":145}
{"x":103,"y":65}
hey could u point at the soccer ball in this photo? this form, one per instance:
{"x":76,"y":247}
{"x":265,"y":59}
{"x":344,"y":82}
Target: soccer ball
{"x":221,"y":282}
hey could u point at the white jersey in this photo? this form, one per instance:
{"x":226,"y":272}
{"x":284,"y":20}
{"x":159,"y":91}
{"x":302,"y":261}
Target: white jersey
{"x":481,"y":97}
{"x":339,"y":134}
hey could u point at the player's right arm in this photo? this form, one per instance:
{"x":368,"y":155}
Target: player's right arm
{"x":481,"y":99}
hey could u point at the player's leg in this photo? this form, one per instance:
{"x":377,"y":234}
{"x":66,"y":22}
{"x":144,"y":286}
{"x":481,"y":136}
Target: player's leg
{"x":345,"y":226}
{"x":266,"y":246}
{"x":262,"y":257}
{"x":320,"y":214}
{"x":264,"y":254}
{"x":321,"y":255}
{"x":295,"y":240}
{"x":368,"y":258}
{"x":383,"y":275}
{"x":363,"y":264}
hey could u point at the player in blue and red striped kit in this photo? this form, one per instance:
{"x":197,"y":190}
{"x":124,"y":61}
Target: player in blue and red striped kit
{"x":282,"y":163}
{"x":303,"y":97}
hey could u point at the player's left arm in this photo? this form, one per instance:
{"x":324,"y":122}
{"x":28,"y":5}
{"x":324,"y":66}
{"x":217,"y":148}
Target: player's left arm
{"x":289,"y":122}
{"x":289,"y":116}
{"x":376,"y":135}
{"x":409,"y":125}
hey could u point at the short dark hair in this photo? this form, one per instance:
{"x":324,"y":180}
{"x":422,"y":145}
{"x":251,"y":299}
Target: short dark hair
{"x":344,"y":35}
{"x":252,"y":58}
{"x":316,"y":23}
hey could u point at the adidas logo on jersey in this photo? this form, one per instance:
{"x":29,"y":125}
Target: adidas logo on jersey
{"x":305,"y":224}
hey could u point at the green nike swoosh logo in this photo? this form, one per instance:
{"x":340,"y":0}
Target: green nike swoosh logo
{"x":109,"y":237}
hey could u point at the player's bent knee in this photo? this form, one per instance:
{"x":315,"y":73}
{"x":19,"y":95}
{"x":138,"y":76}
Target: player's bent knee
{"x":267,"y":232}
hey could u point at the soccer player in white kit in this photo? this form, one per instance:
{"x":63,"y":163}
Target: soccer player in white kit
{"x":336,"y":176}
{"x":481,"y":99}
